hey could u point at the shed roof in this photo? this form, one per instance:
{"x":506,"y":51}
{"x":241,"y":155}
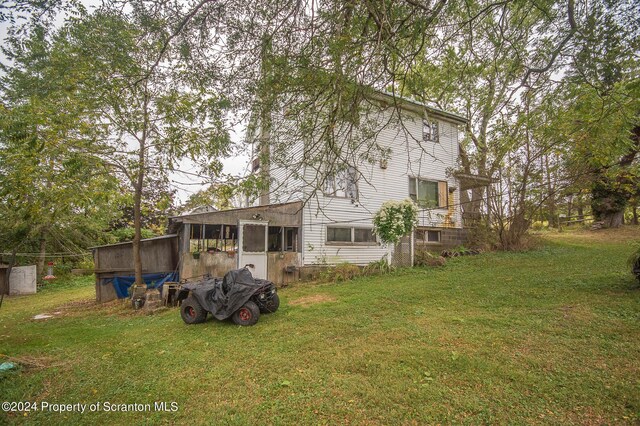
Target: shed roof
{"x":283,"y":214}
{"x":239,"y":209}
{"x":161,"y":237}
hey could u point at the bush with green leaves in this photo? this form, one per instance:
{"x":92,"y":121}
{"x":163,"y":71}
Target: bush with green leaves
{"x":121,"y":235}
{"x":394,"y":220}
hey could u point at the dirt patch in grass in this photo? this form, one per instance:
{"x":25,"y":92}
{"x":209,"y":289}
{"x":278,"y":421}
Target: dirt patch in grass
{"x":85,"y":307}
{"x":312,"y":300}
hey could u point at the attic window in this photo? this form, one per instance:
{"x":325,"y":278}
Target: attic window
{"x":430,"y":131}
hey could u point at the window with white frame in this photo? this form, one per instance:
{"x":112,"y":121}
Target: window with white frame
{"x":338,"y":234}
{"x":428,"y":193}
{"x":350,"y":235}
{"x":342,"y":184}
{"x":430,"y":131}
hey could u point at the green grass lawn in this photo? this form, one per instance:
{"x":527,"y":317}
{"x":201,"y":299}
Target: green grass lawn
{"x":548,"y":336}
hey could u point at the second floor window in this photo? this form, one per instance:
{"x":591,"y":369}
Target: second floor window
{"x":255,"y":165}
{"x":428,"y":193}
{"x":430,"y":131}
{"x":342,"y":184}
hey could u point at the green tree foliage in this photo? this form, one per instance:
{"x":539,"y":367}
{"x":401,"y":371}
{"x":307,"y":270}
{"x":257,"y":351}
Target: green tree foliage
{"x":219,"y":196}
{"x":151,"y":111}
{"x":51,"y":187}
{"x":599,"y":116}
{"x":156,"y":207}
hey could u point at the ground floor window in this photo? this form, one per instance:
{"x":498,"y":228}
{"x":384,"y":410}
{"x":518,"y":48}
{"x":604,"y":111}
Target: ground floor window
{"x":427,"y":236}
{"x":349,"y":235}
{"x":291,"y":239}
{"x":363,"y":235}
{"x":335,"y":234}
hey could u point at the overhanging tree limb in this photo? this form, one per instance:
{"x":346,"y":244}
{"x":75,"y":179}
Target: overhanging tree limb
{"x":573,"y":28}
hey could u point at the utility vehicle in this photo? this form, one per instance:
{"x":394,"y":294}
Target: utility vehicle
{"x":237,"y":296}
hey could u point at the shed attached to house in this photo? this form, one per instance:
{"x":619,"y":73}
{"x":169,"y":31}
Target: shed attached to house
{"x":266,"y":239}
{"x":159,"y":256}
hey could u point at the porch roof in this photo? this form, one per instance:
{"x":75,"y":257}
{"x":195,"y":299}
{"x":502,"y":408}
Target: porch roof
{"x":471,"y":181}
{"x":285,"y":214}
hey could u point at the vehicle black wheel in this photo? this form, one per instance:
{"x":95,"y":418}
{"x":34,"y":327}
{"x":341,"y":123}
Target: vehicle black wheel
{"x":191,"y":311}
{"x":272,"y":305}
{"x":248,"y":314}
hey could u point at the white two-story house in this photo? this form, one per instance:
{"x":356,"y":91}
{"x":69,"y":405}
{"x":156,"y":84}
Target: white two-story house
{"x":411,"y":153}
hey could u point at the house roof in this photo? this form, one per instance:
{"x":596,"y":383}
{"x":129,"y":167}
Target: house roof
{"x":471,"y":181}
{"x":422,"y":106}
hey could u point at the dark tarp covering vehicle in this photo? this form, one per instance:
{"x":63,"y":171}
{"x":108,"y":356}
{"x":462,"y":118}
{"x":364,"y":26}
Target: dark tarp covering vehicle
{"x":238,"y":295}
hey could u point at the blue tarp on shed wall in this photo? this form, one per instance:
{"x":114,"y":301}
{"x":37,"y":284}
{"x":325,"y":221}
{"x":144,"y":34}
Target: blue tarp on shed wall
{"x":122,"y":284}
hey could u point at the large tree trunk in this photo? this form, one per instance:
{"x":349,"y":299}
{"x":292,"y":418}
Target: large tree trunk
{"x":137,"y":225}
{"x":608,"y":203}
{"x":610,"y":197}
{"x":138,"y":185}
{"x":613,"y":220}
{"x":511,"y":237}
{"x":471,"y":207}
{"x":551,"y":197}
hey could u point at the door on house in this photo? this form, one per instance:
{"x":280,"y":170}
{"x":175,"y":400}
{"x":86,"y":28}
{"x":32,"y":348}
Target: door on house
{"x":252,"y":247}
